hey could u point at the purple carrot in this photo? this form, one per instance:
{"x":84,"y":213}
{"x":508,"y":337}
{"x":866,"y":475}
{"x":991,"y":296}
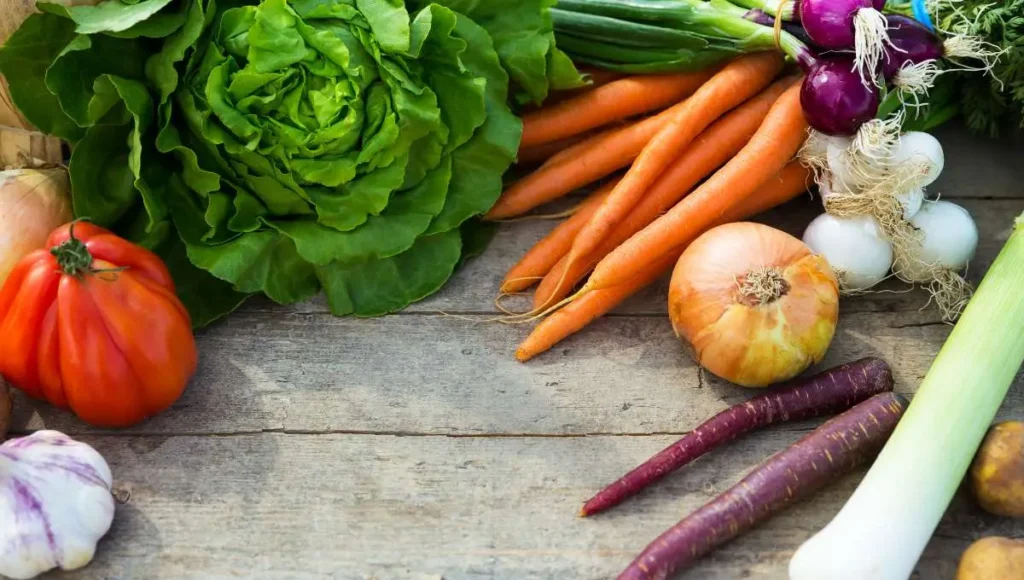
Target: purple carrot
{"x":829,"y":451}
{"x":827,"y":392}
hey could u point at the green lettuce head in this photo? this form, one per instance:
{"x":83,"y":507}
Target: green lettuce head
{"x":285,"y":146}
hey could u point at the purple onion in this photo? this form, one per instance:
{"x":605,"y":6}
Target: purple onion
{"x":830,"y":23}
{"x":876,"y":4}
{"x":834,"y":99}
{"x":912,"y":43}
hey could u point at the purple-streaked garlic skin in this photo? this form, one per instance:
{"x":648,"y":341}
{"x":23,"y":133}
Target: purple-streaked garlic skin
{"x":55,"y":503}
{"x":911,"y":43}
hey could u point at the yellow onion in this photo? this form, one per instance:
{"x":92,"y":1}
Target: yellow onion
{"x":33,"y":203}
{"x":754,"y":304}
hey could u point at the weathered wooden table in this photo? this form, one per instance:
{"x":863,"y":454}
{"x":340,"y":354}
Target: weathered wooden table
{"x":414,"y":446}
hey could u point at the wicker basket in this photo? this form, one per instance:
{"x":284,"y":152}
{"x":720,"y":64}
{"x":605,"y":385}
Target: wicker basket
{"x":20,"y":143}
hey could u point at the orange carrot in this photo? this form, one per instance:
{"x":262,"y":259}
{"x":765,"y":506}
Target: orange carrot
{"x":596,"y":77}
{"x":789,"y":183}
{"x":739,"y":80}
{"x":577,"y":314}
{"x":712,"y":148}
{"x":576,"y":149}
{"x":579,"y":165}
{"x":545,"y":253}
{"x":614,"y":101}
{"x":543,"y":153}
{"x":773,"y":146}
{"x":793,"y":180}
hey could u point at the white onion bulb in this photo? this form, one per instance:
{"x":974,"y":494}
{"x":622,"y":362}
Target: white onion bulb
{"x":853,"y":246}
{"x":949,"y":240}
{"x":915,"y":147}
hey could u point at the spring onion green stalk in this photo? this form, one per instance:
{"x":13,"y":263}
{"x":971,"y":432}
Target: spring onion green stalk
{"x":884,"y":527}
{"x":638,"y":36}
{"x":770,"y":7}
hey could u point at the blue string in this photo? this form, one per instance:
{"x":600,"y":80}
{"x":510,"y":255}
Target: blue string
{"x":921,"y":14}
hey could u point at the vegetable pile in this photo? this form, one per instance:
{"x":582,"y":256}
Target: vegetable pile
{"x":849,"y":119}
{"x":844,"y":48}
{"x":923,"y":463}
{"x":709,"y":159}
{"x":283,"y":147}
{"x":631,"y":232}
{"x":220,"y":150}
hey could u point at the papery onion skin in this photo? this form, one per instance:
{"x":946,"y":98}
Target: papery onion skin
{"x":753,"y":345}
{"x":33,"y":203}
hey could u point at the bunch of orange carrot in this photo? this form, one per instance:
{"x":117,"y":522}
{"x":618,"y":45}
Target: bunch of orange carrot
{"x":715,"y":146}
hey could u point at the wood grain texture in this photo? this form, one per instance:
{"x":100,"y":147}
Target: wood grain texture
{"x":370,"y":506}
{"x":264,"y":371}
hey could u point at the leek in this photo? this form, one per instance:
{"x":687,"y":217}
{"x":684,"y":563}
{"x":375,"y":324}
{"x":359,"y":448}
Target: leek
{"x":884,"y":527}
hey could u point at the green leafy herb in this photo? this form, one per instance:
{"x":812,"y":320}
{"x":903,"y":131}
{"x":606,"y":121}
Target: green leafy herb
{"x":287,"y":146}
{"x":993,"y":103}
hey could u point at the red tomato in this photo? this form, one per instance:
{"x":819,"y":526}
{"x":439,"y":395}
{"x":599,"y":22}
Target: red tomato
{"x":92,"y":324}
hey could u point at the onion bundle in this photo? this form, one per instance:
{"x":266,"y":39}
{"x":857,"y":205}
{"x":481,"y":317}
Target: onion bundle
{"x":878,"y":218}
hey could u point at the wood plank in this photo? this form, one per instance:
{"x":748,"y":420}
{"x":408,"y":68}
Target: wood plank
{"x":445,"y":375}
{"x":362,"y":506}
{"x":979,"y":167}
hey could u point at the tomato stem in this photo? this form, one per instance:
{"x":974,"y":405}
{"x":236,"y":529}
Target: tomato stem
{"x":72,"y":256}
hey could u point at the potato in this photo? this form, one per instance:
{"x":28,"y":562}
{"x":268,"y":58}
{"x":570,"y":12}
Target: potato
{"x":5,"y":408}
{"x":992,"y":558}
{"x":997,"y":474}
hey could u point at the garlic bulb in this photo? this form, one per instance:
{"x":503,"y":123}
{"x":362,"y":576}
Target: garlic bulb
{"x":55,"y":504}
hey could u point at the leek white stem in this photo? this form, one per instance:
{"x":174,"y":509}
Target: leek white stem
{"x":882,"y":530}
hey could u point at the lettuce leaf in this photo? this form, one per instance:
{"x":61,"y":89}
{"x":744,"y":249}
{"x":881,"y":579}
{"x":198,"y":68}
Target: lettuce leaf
{"x":288,"y":147}
{"x":524,"y":38}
